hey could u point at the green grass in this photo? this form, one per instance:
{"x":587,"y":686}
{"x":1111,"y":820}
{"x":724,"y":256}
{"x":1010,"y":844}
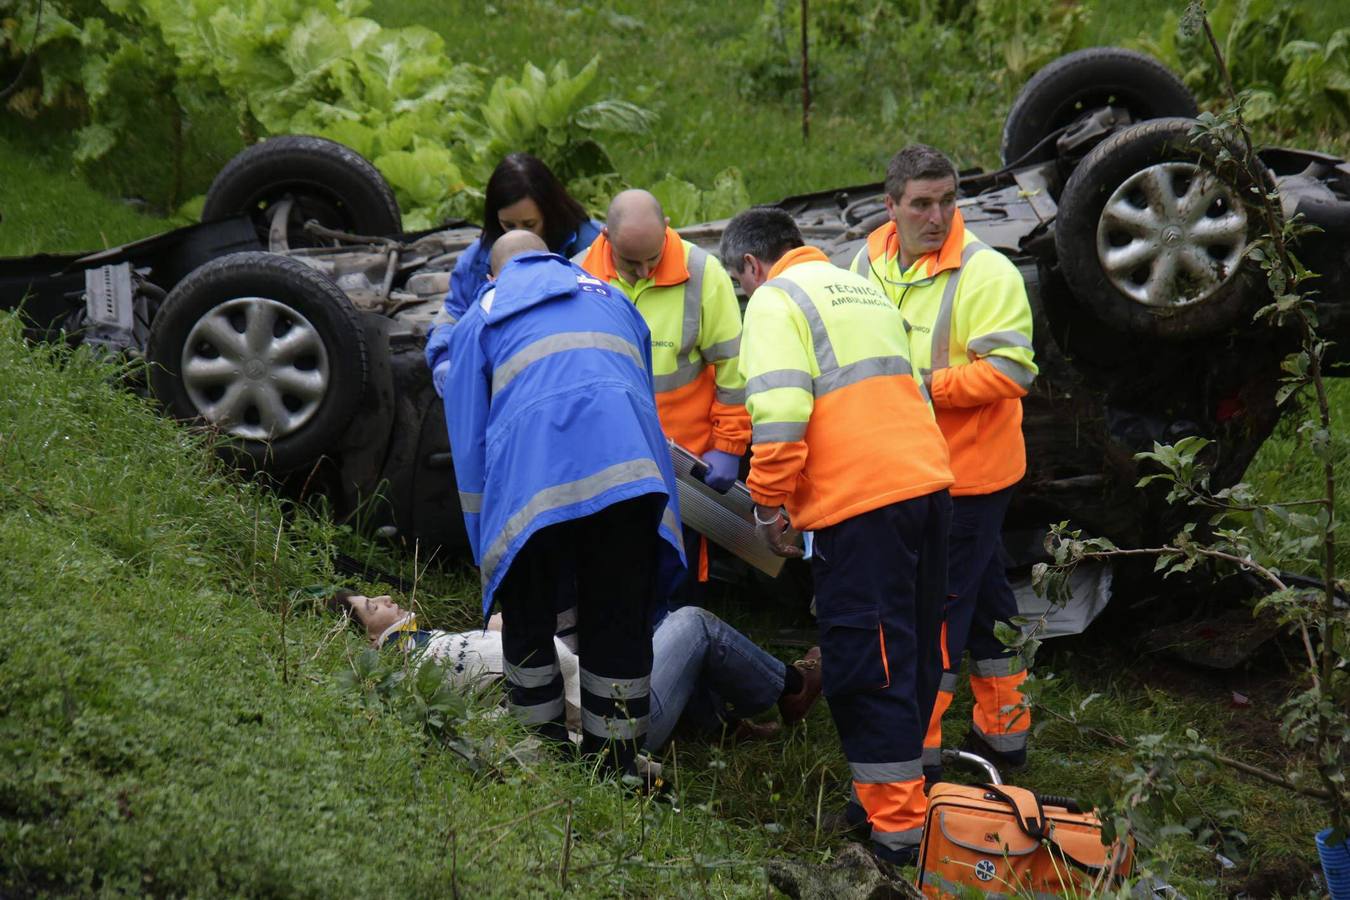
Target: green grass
{"x":176,"y":720}
{"x":45,"y":208}
{"x":165,"y":732}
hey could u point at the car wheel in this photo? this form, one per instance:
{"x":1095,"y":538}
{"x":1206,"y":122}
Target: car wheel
{"x":1079,"y":82}
{"x":303,"y":178}
{"x":1152,"y":240}
{"x":265,"y":349}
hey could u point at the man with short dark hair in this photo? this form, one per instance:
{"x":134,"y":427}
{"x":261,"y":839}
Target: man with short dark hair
{"x":564,"y":480}
{"x":966,"y":306}
{"x":844,"y":439}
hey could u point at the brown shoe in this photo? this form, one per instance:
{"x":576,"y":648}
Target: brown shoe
{"x":746,"y":730}
{"x":794,"y":707}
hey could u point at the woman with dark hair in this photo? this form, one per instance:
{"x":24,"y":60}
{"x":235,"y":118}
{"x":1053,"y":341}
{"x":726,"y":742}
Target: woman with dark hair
{"x":521,"y":194}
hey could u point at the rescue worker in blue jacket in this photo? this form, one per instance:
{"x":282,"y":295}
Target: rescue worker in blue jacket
{"x":564,"y":481}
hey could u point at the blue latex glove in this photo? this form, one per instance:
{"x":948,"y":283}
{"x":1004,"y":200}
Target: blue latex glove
{"x":438,"y":376}
{"x":722,"y":470}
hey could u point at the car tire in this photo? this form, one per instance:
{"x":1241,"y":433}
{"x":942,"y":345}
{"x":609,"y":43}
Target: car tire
{"x":266,"y":350}
{"x":327,"y":181}
{"x":1152,"y":240}
{"x":1082,"y":81}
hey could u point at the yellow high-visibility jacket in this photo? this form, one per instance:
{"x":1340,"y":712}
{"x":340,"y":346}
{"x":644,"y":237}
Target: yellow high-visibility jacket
{"x":690,"y":306}
{"x":970,"y":337}
{"x":840,"y":425}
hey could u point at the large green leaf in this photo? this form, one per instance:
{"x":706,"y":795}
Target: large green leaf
{"x":682,"y":201}
{"x":615,"y":116}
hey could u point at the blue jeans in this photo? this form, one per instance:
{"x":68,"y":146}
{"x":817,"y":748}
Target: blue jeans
{"x":702,"y":667}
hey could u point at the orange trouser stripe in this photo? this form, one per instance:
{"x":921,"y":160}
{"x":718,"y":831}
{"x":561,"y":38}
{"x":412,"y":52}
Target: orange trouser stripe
{"x":893,"y":806}
{"x":999,"y":704}
{"x":934,"y":737}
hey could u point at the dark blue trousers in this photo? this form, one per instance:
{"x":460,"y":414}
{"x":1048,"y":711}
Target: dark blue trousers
{"x":880,"y":580}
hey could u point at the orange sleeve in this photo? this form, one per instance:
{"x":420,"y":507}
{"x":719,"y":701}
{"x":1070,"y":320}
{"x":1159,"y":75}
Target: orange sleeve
{"x":972,"y":385}
{"x":774,"y":466}
{"x":730,"y":427}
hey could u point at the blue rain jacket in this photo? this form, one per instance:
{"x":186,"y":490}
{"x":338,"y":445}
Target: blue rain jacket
{"x":551,"y":413}
{"x":469,"y":276}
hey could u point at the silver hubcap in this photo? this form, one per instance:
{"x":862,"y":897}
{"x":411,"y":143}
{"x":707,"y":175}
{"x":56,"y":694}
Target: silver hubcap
{"x":1171,"y":235}
{"x":256,"y":368}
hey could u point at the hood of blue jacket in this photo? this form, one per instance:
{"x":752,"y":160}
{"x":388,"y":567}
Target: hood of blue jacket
{"x":527,"y":281}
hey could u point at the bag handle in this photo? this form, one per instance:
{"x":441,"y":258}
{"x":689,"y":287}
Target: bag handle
{"x":1030,"y":816}
{"x":1026,"y":807}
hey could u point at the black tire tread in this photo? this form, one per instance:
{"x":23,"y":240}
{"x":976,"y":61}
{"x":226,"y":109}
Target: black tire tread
{"x":282,"y":158}
{"x":1028,"y":118}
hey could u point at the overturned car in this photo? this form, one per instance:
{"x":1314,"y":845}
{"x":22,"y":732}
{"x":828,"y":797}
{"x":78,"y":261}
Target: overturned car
{"x":292,"y":319}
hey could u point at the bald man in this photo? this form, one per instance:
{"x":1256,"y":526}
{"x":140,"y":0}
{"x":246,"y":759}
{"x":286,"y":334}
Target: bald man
{"x":689,"y":303}
{"x":566,"y":487}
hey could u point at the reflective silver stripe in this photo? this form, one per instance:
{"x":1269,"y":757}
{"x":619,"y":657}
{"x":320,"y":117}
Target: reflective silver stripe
{"x":825,"y":357}
{"x":942,"y":328}
{"x":886,"y":773}
{"x":1010,"y":742}
{"x":561,"y":495}
{"x":932,"y":756}
{"x":767,"y":432}
{"x":898,"y":840}
{"x":532,"y":676}
{"x":862,"y":263}
{"x":1017,"y":373}
{"x":470,"y":502}
{"x":725,"y":350}
{"x":947,"y":888}
{"x":948,"y":682}
{"x":565,"y":620}
{"x":620,"y":729}
{"x":560,"y":343}
{"x":539,"y":713}
{"x":686,"y":373}
{"x":693,"y":300}
{"x":995,"y":668}
{"x":779,"y":378}
{"x":923,"y":392}
{"x":996,"y":340}
{"x":860,"y":370}
{"x":731,"y":397}
{"x":672,"y":525}
{"x":581,"y":256}
{"x":615,"y":688}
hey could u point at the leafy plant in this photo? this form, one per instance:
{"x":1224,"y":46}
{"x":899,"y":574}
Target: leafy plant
{"x":686,"y":204}
{"x":292,"y":67}
{"x":1237,"y":528}
{"x":1290,"y":80}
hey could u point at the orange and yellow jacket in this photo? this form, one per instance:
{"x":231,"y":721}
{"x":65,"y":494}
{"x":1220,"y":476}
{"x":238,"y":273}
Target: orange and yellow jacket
{"x":970,"y":338}
{"x":690,"y":306}
{"x":840,"y":424}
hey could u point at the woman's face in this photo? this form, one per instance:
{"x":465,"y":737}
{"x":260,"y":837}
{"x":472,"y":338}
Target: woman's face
{"x":376,"y":613}
{"x":523,"y":215}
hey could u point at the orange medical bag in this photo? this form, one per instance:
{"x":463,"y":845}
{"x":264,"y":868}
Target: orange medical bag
{"x":1007,"y":840}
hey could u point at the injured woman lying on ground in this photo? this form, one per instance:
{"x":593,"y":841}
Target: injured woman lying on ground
{"x":706,"y":675}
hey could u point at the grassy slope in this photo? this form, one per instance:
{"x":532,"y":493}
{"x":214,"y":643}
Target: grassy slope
{"x":101,"y":725}
{"x":163,"y":729}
